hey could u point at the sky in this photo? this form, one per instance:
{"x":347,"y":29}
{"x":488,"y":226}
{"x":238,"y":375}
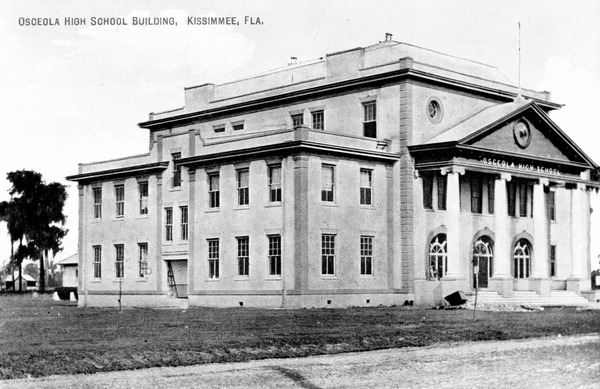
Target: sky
{"x":75,"y":93}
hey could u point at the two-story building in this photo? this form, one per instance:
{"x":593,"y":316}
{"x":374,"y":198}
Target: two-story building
{"x":370,"y":176}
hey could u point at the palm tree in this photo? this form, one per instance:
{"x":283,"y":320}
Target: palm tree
{"x":37,"y":217}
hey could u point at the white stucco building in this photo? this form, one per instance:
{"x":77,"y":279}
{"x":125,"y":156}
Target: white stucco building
{"x":369,"y":176}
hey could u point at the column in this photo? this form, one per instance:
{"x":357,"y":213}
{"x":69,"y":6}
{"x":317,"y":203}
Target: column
{"x":301,"y":218}
{"x":191,"y":229}
{"x":501,"y":280}
{"x":84,"y":277}
{"x":453,"y":225}
{"x":578,"y":237}
{"x":539,"y":280}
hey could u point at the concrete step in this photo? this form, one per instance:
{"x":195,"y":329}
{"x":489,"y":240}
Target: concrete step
{"x":562,"y":298}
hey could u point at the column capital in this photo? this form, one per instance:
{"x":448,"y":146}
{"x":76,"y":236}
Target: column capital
{"x":452,"y":169}
{"x":581,"y":186}
{"x":543,"y":181}
{"x":504,"y":176}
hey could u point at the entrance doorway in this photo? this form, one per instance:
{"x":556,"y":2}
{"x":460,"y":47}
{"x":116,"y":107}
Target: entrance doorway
{"x":483,"y":258}
{"x":177,"y":278}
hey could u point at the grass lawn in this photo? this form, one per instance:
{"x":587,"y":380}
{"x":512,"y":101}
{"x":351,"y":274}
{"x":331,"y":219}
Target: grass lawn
{"x":41,"y":337}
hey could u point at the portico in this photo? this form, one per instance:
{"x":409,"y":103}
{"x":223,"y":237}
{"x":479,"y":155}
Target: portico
{"x":496,"y":212}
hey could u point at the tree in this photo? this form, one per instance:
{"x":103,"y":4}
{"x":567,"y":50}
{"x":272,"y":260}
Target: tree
{"x":32,"y":270}
{"x":35,"y":216}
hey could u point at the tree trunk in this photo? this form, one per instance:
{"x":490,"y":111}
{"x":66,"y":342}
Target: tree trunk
{"x":12,"y":262}
{"x":42,"y":287}
{"x":20,"y":269}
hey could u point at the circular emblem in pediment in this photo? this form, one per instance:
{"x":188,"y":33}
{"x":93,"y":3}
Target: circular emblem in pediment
{"x":522,"y":133}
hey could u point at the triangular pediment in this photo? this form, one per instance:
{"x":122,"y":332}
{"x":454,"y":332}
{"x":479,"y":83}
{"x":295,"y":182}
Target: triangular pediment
{"x":527,"y":134}
{"x":520,"y":128}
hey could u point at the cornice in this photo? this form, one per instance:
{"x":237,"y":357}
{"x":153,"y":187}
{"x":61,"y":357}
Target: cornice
{"x":286,"y":148}
{"x":337,"y":87}
{"x":112,"y":174}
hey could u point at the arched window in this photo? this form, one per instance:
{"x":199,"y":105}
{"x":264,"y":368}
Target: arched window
{"x":522,"y":258}
{"x":438,"y":257}
{"x":483,"y":255}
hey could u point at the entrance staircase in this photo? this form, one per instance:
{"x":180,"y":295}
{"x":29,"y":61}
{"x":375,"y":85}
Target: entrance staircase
{"x":557,"y":298}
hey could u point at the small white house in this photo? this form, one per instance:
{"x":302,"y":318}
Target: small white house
{"x":27,"y":283}
{"x":70,"y":267}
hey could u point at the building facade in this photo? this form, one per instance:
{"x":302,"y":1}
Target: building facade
{"x":370,"y":176}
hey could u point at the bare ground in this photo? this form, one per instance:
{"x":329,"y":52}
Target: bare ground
{"x":551,"y":362}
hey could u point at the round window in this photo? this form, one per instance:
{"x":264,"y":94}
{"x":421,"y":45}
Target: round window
{"x":434,"y":110}
{"x":522,"y":133}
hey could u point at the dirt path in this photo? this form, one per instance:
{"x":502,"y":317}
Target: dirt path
{"x":558,"y":362}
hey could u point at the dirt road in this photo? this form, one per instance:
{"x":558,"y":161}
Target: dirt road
{"x":558,"y":362}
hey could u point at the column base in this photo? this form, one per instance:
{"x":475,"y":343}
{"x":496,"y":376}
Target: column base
{"x":502,"y":285}
{"x":577,"y":284}
{"x":540,"y":285}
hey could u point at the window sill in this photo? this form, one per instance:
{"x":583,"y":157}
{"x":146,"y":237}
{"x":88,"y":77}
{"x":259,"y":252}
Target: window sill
{"x":118,"y":280}
{"x":241,"y":207}
{"x":274,"y":204}
{"x":371,"y":207}
{"x":212,"y":279}
{"x":119,"y":218}
{"x":175,"y":189}
{"x":329,"y":277}
{"x":329,"y":204}
{"x":242,"y":278}
{"x":96,"y":281}
{"x":210,"y":210}
{"x":142,"y":216}
{"x":367,"y":276}
{"x":273,"y":278}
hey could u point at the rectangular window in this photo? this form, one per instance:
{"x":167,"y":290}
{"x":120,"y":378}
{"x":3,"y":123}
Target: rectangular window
{"x":370,"y":120}
{"x":184,"y":222}
{"x":523,"y":199}
{"x":297,"y":120}
{"x":511,"y":188}
{"x":366,"y":187}
{"x":97,"y":261}
{"x":97,"y":203}
{"x":327,"y":254}
{"x":169,"y":224}
{"x":143,"y":189}
{"x":441,"y":191}
{"x":213,"y":258}
{"x":427,"y":191}
{"x":328,"y":183}
{"x":176,"y":170}
{"x":243,"y":256}
{"x":275,"y":183}
{"x":238,"y":126}
{"x":491,"y":187}
{"x":476,"y":189}
{"x":318,"y":120}
{"x":551,"y":201}
{"x":552,"y":260}
{"x":120,"y":196}
{"x":243,"y":186}
{"x":119,"y":260}
{"x":143,"y":259}
{"x":213,"y":190}
{"x":274,"y":255}
{"x":366,"y":255}
{"x":218,"y":129}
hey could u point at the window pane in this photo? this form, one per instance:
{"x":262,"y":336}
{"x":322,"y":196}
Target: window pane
{"x":441,"y":191}
{"x":275,"y":255}
{"x":275,"y":183}
{"x":427,"y":191}
{"x":327,"y":183}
